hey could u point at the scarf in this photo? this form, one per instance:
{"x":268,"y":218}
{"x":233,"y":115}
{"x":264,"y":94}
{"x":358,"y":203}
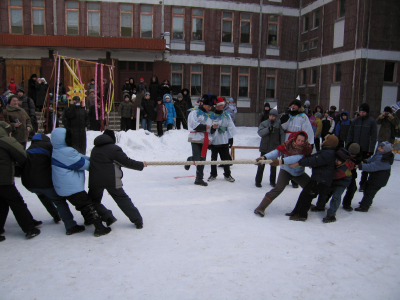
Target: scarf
{"x":290,"y":147}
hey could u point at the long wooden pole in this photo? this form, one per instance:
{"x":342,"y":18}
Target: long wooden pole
{"x":86,"y":61}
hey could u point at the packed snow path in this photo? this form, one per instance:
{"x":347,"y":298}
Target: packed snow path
{"x":206,"y":242}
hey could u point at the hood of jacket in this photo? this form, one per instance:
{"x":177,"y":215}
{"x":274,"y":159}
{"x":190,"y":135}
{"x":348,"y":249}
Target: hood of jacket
{"x":103,"y":139}
{"x":183,"y":90}
{"x":387,"y":157}
{"x":154,"y":82}
{"x":344,"y":113}
{"x":41,"y":137}
{"x":170,"y":98}
{"x":58,"y":138}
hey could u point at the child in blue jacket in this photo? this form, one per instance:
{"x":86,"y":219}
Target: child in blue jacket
{"x":378,"y":166}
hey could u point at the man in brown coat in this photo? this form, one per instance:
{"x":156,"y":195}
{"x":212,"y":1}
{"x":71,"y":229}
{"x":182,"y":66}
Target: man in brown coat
{"x":20,"y":121}
{"x":388,"y":122}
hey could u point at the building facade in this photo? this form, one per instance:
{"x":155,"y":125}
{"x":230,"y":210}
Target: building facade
{"x":331,"y":52}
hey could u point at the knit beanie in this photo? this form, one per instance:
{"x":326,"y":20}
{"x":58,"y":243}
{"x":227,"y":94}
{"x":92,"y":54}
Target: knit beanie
{"x":76,"y":98}
{"x":110,"y":133}
{"x":20,"y":89}
{"x":333,"y":107}
{"x":318,"y":115}
{"x":179,"y":96}
{"x":307,"y":102}
{"x":296,"y":102}
{"x":273,"y":112}
{"x":267,"y":105}
{"x":364,"y":107}
{"x":331,"y":141}
{"x":354,"y":148}
{"x":126,"y":96}
{"x":387,"y":146}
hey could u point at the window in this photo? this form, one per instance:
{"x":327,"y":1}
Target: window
{"x":225,"y":81}
{"x":195,"y":80}
{"x":93,"y":19}
{"x":126,"y":20}
{"x":314,"y":73}
{"x":303,"y":77}
{"x":176,"y":75}
{"x":390,"y":71}
{"x":15,"y":16}
{"x":197,"y":25}
{"x":338,"y":73}
{"x":245,"y":21}
{"x":316,"y":19}
{"x":72,"y":17}
{"x":146,"y":21}
{"x":304,"y":46}
{"x":177,"y":23}
{"x":305,"y":23}
{"x":271,"y":84}
{"x":38,"y":17}
{"x":227,"y":21}
{"x":341,"y":8}
{"x":273,"y":31}
{"x":314,"y":43}
{"x":244,"y":75}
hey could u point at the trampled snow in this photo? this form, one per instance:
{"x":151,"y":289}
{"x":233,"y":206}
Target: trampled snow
{"x":206,"y":242}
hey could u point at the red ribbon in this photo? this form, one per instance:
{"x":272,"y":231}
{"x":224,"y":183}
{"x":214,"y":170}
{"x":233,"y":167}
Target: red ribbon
{"x":205,"y":145}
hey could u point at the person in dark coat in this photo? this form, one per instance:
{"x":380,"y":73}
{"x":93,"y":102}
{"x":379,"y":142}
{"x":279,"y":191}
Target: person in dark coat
{"x":165,"y":88}
{"x":95,"y":124}
{"x":181,"y":112}
{"x":323,"y":169}
{"x":3,"y":113}
{"x":29,"y":106}
{"x":265,"y":114}
{"x":32,"y":87}
{"x":61,"y":89}
{"x":147,"y":112}
{"x":126,"y":86}
{"x":76,"y":118}
{"x":91,"y":86}
{"x":106,"y":160}
{"x":272,"y":135}
{"x":11,"y":152}
{"x":132,"y":87}
{"x":364,"y":132}
{"x":186,"y":97}
{"x":154,"y":88}
{"x":36,"y":178}
{"x":126,"y":111}
{"x":105,"y":90}
{"x":161,"y":116}
{"x":388,"y":122}
{"x":342,"y":128}
{"x":41,"y":90}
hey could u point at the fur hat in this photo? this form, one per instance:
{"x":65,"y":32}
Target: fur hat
{"x":318,"y":115}
{"x":126,"y":95}
{"x":179,"y":96}
{"x":342,"y":154}
{"x":331,"y":141}
{"x":273,"y":112}
{"x":110,"y":133}
{"x":7,"y":127}
{"x":386,"y":109}
{"x":387,"y":146}
{"x":354,"y":148}
{"x":307,"y":102}
{"x":364,"y":107}
{"x":296,"y":102}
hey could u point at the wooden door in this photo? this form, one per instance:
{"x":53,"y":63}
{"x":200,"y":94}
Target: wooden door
{"x":87,"y":73}
{"x":21,"y":70}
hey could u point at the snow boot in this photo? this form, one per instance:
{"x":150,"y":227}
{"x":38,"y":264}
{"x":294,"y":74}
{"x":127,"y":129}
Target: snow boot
{"x":229,"y":178}
{"x":259,"y":213}
{"x":361,"y":209}
{"x":75,"y":229}
{"x":37,"y":223}
{"x":297,"y":218}
{"x":2,"y":238}
{"x":187,"y":167}
{"x":262,"y":206}
{"x":348,"y":208}
{"x":56,"y":219}
{"x":32,"y":233}
{"x":111,"y":220}
{"x":100,"y":228}
{"x":212,"y":178}
{"x":258,"y":185}
{"x":290,"y":214}
{"x":273,"y":184}
{"x":200,"y":182}
{"x":329,"y":219}
{"x":139,"y":225}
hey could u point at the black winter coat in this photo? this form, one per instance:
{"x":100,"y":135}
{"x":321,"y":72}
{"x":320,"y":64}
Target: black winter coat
{"x":148,"y":109}
{"x":94,"y":124}
{"x":381,"y":178}
{"x":323,"y":165}
{"x":106,"y":161}
{"x":164,"y":89}
{"x":126,"y":87}
{"x":181,"y":109}
{"x":37,"y":170}
{"x":32,"y":89}
{"x":76,"y":119}
{"x":364,"y":132}
{"x":28,"y":105}
{"x":154,"y":89}
{"x":41,"y":90}
{"x":187,"y":98}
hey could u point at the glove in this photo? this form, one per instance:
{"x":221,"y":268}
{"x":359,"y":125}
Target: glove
{"x":276,"y":162}
{"x":230,"y":142}
{"x":284,"y":119}
{"x":260,"y":158}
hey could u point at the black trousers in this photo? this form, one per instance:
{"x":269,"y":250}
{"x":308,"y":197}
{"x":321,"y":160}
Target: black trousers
{"x":121,"y":198}
{"x":260,"y":173}
{"x":223,"y":152}
{"x":169,"y":126}
{"x":310,"y":191}
{"x":133,"y":124}
{"x":370,"y":191}
{"x":180,"y":121}
{"x":125,"y":124}
{"x":160,"y":131}
{"x":11,"y":198}
{"x":317,"y":143}
{"x":84,"y":205}
{"x":196,"y":156}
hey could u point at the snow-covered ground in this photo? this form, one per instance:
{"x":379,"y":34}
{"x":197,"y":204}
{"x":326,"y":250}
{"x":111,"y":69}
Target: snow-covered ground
{"x":206,"y":242}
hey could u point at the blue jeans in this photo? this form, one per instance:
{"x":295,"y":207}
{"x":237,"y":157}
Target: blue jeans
{"x":146,"y":124}
{"x":48,"y":197}
{"x":338,"y":190}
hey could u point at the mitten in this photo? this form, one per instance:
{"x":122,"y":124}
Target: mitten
{"x":276,"y":162}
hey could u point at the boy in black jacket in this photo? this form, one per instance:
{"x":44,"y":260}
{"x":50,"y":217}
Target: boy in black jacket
{"x":323,"y":168}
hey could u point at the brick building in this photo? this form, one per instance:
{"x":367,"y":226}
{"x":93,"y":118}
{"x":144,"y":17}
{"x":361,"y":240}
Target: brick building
{"x":331,"y":52}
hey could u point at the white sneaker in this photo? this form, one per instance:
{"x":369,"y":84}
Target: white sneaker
{"x":230,"y":179}
{"x":211,"y":178}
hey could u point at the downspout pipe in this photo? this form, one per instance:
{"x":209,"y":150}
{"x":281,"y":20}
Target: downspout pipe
{"x":298,"y":50}
{"x":259,"y":59}
{"x":322,"y":46}
{"x":355,"y":59}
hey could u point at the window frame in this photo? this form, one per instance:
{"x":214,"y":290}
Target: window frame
{"x":66,"y":17}
{"x":201,"y":80}
{"x":275,"y":76}
{"x":311,"y":43}
{"x":314,"y":19}
{"x":394,"y":72}
{"x":311,"y":75}
{"x":177,"y":72}
{"x":183,"y":23}
{"x":44,"y":17}
{"x":304,"y":49}
{"x":227,"y":20}
{"x":202,"y":24}
{"x":245,"y":21}
{"x":152,"y":20}
{"x":334,"y":73}
{"x":338,"y":9}
{"x":248,"y":81}
{"x":120,"y":19}
{"x":303,"y":77}
{"x":9,"y":16}
{"x":305,"y":21}
{"x":230,"y":80}
{"x":277,"y":30}
{"x":93,"y":11}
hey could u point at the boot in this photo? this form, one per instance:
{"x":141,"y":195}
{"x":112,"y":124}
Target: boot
{"x":111,"y":220}
{"x":2,"y":238}
{"x":37,"y":223}
{"x":200,"y":182}
{"x":263,"y":205}
{"x":100,"y":228}
{"x":57,"y":219}
{"x":32,"y":233}
{"x":75,"y":229}
{"x":329,"y":219}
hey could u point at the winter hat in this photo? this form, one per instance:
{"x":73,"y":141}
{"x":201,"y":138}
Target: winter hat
{"x":126,"y":79}
{"x":110,"y":133}
{"x":12,"y":78}
{"x":147,"y":93}
{"x":354,"y":148}
{"x":91,"y":79}
{"x":307,"y":102}
{"x":141,"y":79}
{"x":133,"y":96}
{"x":296,"y":102}
{"x":208,"y":99}
{"x":386,"y":109}
{"x":20,"y":89}
{"x":326,"y":112}
{"x":231,"y":100}
{"x":267,"y":105}
{"x":179,"y":96}
{"x":105,"y":80}
{"x":220,"y":101}
{"x":333,"y":107}
{"x":273,"y":112}
{"x":364,"y":107}
{"x":331,"y":141}
{"x":76,"y":98}
{"x":7,"y":127}
{"x":386,"y":146}
{"x":318,"y":115}
{"x":126,"y":96}
{"x":342,"y":154}
{"x":159,"y":99}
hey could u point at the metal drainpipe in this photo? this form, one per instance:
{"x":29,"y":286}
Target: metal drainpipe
{"x":55,"y":17}
{"x":259,"y":59}
{"x":355,"y":60}
{"x":298,"y":50}
{"x":366,"y":63}
{"x":320,"y":63}
{"x":162,"y":16}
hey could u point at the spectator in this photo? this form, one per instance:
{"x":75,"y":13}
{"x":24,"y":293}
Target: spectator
{"x":95,"y":124}
{"x":265,"y":114}
{"x":3,"y":113}
{"x":342,"y":128}
{"x":90,"y":100}
{"x":332,"y":113}
{"x":318,"y":108}
{"x":126,"y":88}
{"x":29,"y":106}
{"x":165,"y":88}
{"x":363,"y":131}
{"x":307,"y":109}
{"x":187,"y":98}
{"x":154,"y":88}
{"x":125,"y":111}
{"x":171,"y":116}
{"x":388,"y":122}
{"x":231,"y":109}
{"x":147,"y":112}
{"x":105,"y":90}
{"x":133,"y":121}
{"x":61,"y":90}
{"x":142,"y":86}
{"x":12,"y":86}
{"x":20,"y":121}
{"x":41,"y":91}
{"x":132,"y":87}
{"x":32,"y":88}
{"x":328,"y":125}
{"x":355,"y":115}
{"x":181,"y":112}
{"x":161,"y":116}
{"x":76,"y":119}
{"x":317,"y":128}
